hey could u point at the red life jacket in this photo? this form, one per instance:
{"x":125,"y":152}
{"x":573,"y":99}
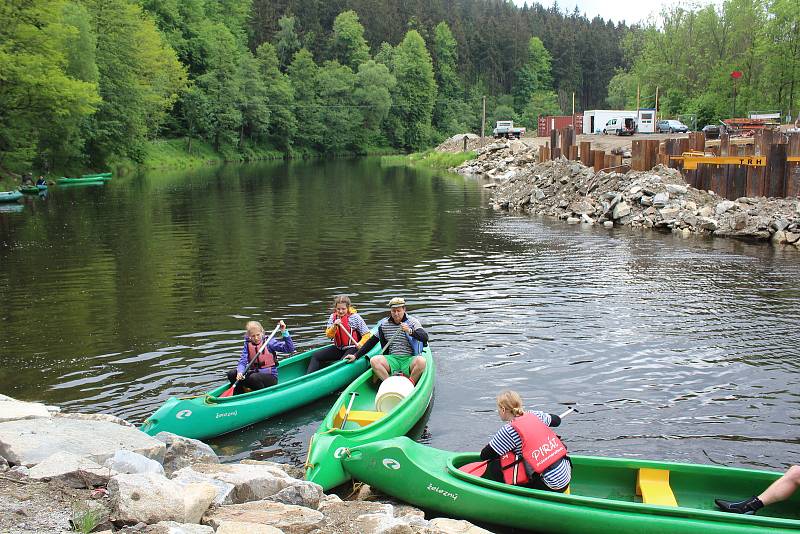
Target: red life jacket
{"x":340,"y":339}
{"x":265,"y":359}
{"x":541,"y":448}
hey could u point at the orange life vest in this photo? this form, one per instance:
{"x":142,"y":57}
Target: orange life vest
{"x":541,"y":448}
{"x":265,"y":359}
{"x":340,"y":339}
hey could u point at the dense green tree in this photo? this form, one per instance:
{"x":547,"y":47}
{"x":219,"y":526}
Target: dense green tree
{"x":279,"y":97}
{"x":415,"y":93}
{"x":286,"y":40}
{"x":348,"y":45}
{"x":303,"y":75}
{"x":534,"y":76}
{"x":449,"y":111}
{"x":373,"y":94}
{"x":342,"y":119}
{"x":36,"y":90}
{"x":140,"y":78}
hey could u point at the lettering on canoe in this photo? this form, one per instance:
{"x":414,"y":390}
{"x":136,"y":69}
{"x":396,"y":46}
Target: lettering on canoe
{"x":183,"y":414}
{"x":228,"y":414}
{"x":444,"y":493}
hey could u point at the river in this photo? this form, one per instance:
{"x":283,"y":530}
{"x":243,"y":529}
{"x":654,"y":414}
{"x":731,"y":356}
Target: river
{"x":114,"y":298}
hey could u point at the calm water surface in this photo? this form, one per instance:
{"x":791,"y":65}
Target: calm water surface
{"x":114,"y":298}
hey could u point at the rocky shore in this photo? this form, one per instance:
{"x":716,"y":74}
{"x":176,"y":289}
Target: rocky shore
{"x":658,"y":199}
{"x":63,"y":472}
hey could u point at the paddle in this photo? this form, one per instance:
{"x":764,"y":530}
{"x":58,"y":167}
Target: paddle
{"x":478,"y":468}
{"x":228,"y":392}
{"x":346,"y":331}
{"x":353,"y":395}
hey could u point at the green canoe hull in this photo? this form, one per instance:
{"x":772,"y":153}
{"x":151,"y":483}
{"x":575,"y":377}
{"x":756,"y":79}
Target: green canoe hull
{"x":324,"y":465}
{"x":10,"y":196}
{"x":207,"y":416}
{"x":97,"y":175}
{"x":29,"y":189}
{"x":87,"y":180}
{"x":602,"y":495}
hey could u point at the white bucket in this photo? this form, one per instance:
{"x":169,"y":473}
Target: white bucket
{"x":393,"y":390}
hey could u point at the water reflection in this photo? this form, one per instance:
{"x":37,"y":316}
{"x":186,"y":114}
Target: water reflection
{"x":114,"y":298}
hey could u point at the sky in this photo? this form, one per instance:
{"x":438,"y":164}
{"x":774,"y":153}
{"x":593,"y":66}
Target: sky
{"x":616,"y":10}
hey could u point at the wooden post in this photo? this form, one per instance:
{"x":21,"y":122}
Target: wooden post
{"x":553,"y":142}
{"x":567,"y":134}
{"x":776,"y":171}
{"x":586,"y":153}
{"x":793,"y":169}
{"x":637,"y":155}
{"x":573,"y":152}
{"x":599,"y":157}
{"x":483,"y":121}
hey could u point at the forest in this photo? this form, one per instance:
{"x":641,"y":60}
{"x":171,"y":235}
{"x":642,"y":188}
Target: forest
{"x":93,"y":84}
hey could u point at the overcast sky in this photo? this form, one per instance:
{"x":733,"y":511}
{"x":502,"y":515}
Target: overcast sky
{"x":616,"y":10}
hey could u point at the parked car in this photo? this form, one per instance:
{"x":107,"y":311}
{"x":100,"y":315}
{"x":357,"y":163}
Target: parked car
{"x":711,"y":131}
{"x":671,"y":126}
{"x":620,"y":126}
{"x":508,"y":130}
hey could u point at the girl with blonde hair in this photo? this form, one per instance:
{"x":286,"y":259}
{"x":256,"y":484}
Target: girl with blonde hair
{"x":525,"y":452}
{"x":347,"y":331}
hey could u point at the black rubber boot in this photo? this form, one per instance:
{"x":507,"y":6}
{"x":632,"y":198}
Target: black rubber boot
{"x":747,"y":506}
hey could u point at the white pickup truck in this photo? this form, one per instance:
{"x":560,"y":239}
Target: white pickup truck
{"x":506,"y":129}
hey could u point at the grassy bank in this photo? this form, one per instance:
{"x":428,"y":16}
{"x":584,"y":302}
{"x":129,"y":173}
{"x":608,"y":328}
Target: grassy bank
{"x":429,"y":159}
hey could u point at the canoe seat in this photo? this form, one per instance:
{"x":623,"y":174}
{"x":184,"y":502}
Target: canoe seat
{"x":653,"y":486}
{"x":360,"y":417}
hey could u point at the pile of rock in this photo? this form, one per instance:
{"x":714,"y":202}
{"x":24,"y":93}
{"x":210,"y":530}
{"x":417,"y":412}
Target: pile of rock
{"x":456,"y":143}
{"x":659,"y":198}
{"x":125,"y":480}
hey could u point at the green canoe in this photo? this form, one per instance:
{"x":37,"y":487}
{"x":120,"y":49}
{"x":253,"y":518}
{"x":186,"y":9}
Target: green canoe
{"x":208,"y":415}
{"x":29,"y":189}
{"x":603,"y":493}
{"x":84,"y":180}
{"x":363,"y":425}
{"x":10,"y":196}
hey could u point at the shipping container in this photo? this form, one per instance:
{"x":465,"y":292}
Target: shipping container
{"x":548,"y":123}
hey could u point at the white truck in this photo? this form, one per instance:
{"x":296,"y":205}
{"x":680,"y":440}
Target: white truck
{"x":506,"y":129}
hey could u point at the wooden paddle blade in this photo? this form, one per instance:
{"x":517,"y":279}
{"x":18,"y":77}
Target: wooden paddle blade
{"x":228,"y":392}
{"x":474,"y":468}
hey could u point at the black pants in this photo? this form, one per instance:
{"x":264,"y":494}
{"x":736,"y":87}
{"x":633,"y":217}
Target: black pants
{"x":493,"y":472}
{"x":252,"y":381}
{"x":328,"y":354}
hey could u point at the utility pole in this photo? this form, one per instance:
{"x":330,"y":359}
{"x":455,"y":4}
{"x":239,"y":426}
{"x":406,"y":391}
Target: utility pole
{"x":638,"y":93}
{"x":656,"y":117}
{"x":483,"y":121}
{"x":573,"y":110}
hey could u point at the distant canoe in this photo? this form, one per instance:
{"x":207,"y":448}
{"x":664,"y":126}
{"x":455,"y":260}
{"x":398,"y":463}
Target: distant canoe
{"x":29,"y":189}
{"x":10,"y":196}
{"x":92,"y":180}
{"x":97,"y":175}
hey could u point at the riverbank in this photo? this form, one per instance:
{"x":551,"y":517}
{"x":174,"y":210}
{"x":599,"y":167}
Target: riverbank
{"x":54,"y":479}
{"x":658,"y":199}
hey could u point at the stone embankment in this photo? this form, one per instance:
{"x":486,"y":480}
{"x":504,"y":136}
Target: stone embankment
{"x":658,"y":199}
{"x":97,"y":473}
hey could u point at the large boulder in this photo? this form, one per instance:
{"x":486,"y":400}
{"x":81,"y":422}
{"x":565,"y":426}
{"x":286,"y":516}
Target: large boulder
{"x":182,"y":452}
{"x":74,"y":471}
{"x":446,"y":525}
{"x":108,"y":418}
{"x":14,"y":410}
{"x":131,"y":462}
{"x":286,"y":517}
{"x":29,"y":442}
{"x":251,"y":482}
{"x":172,"y":527}
{"x":151,"y":498}
{"x":238,"y":527}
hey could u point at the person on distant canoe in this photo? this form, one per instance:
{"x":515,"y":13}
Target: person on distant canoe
{"x":264,"y":371}
{"x":525,"y":452}
{"x":403,"y":353}
{"x":41,"y":181}
{"x":27,"y":179}
{"x":343,"y":321}
{"x":778,"y":491}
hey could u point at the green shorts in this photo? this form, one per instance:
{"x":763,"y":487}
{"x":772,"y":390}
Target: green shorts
{"x":399,"y":363}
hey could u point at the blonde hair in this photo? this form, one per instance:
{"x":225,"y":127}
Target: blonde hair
{"x":339,"y":299}
{"x":252,"y":326}
{"x":511,"y":402}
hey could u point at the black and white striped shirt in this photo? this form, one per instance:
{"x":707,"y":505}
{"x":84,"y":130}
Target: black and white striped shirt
{"x":399,"y":345}
{"x":507,"y":439}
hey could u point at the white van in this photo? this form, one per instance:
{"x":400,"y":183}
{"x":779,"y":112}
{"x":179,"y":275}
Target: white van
{"x":620,"y":126}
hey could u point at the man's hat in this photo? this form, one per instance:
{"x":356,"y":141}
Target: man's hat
{"x":397,"y":302}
